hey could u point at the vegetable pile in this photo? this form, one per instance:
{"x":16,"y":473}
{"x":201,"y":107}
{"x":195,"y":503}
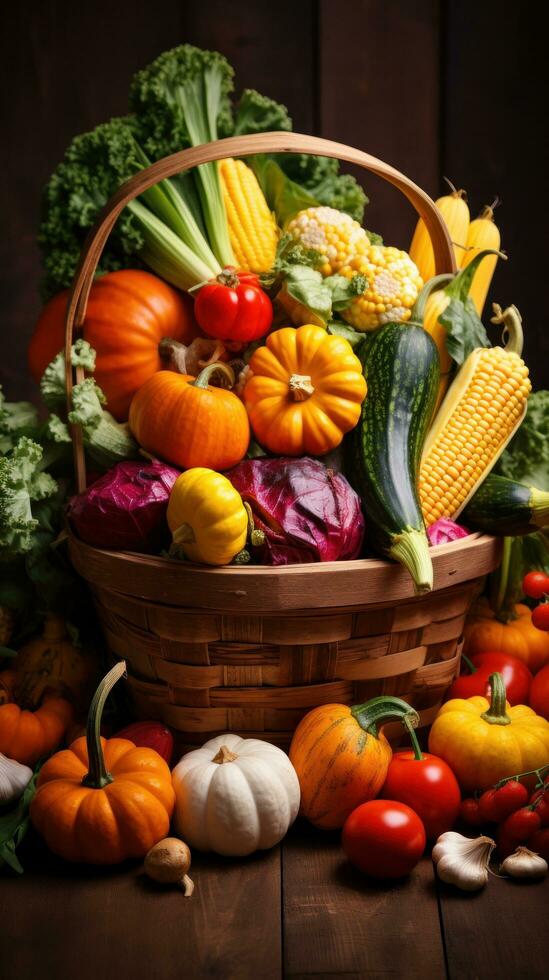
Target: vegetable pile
{"x":269,"y":383}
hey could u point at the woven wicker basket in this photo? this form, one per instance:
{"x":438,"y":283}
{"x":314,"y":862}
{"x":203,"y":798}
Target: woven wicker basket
{"x":253,"y":649}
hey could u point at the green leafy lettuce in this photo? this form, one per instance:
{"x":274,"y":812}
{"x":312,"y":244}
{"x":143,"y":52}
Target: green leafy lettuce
{"x":526,"y":458}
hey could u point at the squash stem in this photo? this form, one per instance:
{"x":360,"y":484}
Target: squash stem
{"x":408,"y":724}
{"x":97,"y":776}
{"x":380,"y":709}
{"x":411,"y":549}
{"x":219,"y":367}
{"x":512,"y":327}
{"x":496,"y":714}
{"x":500,"y":606}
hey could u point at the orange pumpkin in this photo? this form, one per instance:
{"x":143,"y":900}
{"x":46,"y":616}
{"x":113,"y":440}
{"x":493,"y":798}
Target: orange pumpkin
{"x":305,"y":391}
{"x":102,"y":801}
{"x":484,"y":633}
{"x":27,"y":735}
{"x":340,"y":758}
{"x":129,"y":313}
{"x":52,"y":664}
{"x":188,"y":422}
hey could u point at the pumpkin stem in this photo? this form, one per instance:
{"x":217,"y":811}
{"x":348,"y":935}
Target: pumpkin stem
{"x":469,"y":664}
{"x":380,"y":709}
{"x":226,"y":372}
{"x":224,"y":755}
{"x":496,"y":714}
{"x":97,"y":776}
{"x":183,"y":534}
{"x":54,"y":629}
{"x":409,"y":726}
{"x":301,"y":387}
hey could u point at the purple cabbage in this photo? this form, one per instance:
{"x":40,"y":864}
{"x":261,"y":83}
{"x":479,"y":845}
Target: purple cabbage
{"x":444,"y":530}
{"x":125,"y":510}
{"x":306,"y":511}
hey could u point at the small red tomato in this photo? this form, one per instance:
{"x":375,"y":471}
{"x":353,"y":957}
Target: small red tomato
{"x":515,"y":674}
{"x":469,"y":812}
{"x":495,"y":805}
{"x":541,"y":808}
{"x":539,"y":843}
{"x":520,"y":825}
{"x":539,"y":693}
{"x":383,"y":838}
{"x":233,"y":307}
{"x":535,"y":585}
{"x":540,"y":617}
{"x":428,"y":786}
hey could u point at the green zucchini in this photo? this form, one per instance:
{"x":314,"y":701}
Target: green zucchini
{"x":401,"y":366}
{"x":505,"y":507}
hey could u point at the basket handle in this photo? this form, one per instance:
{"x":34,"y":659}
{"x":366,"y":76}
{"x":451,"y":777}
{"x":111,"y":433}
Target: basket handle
{"x":237,"y":146}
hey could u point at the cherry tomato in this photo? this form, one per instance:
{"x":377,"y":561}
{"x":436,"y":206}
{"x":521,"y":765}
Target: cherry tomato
{"x":384,"y":838}
{"x":540,"y":616}
{"x":469,"y":812}
{"x":233,"y":307}
{"x":539,"y":693}
{"x":428,"y":786}
{"x":535,"y":585}
{"x":495,"y":805}
{"x":515,"y":673}
{"x":541,"y":808}
{"x":539,"y":843}
{"x":520,"y":825}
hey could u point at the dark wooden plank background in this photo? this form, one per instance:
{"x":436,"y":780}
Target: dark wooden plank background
{"x":434,"y":87}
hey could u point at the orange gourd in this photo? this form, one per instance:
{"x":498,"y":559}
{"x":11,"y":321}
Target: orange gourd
{"x":305,"y":391}
{"x":340,"y":758}
{"x":27,"y":735}
{"x":129,"y":313}
{"x":51,"y":664}
{"x":188,"y":422}
{"x":485,"y":633}
{"x":103,"y":801}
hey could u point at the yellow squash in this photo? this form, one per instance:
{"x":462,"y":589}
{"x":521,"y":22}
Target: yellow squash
{"x":206,"y":516}
{"x":483,"y":741}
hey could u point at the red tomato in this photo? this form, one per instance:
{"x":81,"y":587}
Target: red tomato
{"x":520,"y":825}
{"x":542,"y":808}
{"x":515,"y":674}
{"x":495,"y":805}
{"x":539,"y":693}
{"x":539,"y":843}
{"x":383,"y":838}
{"x":469,"y":812}
{"x":540,"y":617}
{"x":428,"y":786}
{"x":535,"y":585}
{"x":233,"y":307}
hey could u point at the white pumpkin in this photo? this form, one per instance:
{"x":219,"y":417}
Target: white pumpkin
{"x":235,"y":795}
{"x":14,"y":779}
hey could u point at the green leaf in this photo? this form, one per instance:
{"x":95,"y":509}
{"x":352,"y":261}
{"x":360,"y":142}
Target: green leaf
{"x":307,"y":287}
{"x":344,"y":290}
{"x":526,"y":458}
{"x":283,"y":196}
{"x":14,"y":824}
{"x":340,"y":329}
{"x":464,"y":329}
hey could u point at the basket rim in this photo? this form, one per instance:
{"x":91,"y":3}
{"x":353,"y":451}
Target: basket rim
{"x":267,"y":588}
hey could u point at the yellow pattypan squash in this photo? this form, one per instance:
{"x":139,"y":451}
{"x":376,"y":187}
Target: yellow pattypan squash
{"x":206,"y":516}
{"x":484,"y":741}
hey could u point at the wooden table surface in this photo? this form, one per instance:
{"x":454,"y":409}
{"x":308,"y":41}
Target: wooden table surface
{"x":299,"y":910}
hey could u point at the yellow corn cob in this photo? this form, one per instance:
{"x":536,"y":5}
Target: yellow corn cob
{"x":481,"y":412}
{"x":393,"y":287}
{"x":453,"y":208}
{"x":483,"y":233}
{"x":253,"y":231}
{"x":333,"y":233}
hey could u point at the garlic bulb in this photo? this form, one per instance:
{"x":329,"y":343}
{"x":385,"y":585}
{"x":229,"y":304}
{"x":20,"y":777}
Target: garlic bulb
{"x":524,"y":863}
{"x":462,"y":861}
{"x":14,"y":778}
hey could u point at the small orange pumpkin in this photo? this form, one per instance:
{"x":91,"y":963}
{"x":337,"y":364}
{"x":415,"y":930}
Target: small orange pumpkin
{"x":27,"y":735}
{"x":484,"y":633}
{"x":340,"y":759}
{"x":51,"y":664}
{"x":102,"y":801}
{"x":188,"y":422}
{"x":305,"y":391}
{"x":129,"y":313}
